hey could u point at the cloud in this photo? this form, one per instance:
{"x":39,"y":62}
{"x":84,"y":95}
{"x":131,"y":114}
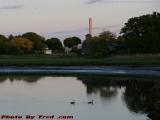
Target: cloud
{"x":94,"y":1}
{"x":121,"y":1}
{"x":11,"y":7}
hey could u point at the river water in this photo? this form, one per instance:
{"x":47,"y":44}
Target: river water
{"x":114,"y":98}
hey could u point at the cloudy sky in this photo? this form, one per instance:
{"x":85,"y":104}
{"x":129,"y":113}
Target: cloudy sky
{"x":63,"y":18}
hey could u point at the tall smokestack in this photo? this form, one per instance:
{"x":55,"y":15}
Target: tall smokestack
{"x":90,"y":25}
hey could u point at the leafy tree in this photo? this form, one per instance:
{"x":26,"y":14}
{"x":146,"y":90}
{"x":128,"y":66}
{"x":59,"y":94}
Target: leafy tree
{"x":111,"y":39}
{"x":142,"y":34}
{"x":121,"y":45}
{"x":3,"y":38}
{"x":38,"y":41}
{"x":71,"y":42}
{"x":54,"y":44}
{"x":6,"y":47}
{"x":88,"y":36}
{"x":96,"y":47}
{"x":107,"y":35}
{"x":10,"y":37}
{"x":22,"y":43}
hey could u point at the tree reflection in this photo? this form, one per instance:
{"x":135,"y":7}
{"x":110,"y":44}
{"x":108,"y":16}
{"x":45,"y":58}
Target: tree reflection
{"x":28,"y":79}
{"x":108,"y":92}
{"x":99,"y":85}
{"x":138,"y":94}
{"x":3,"y":79}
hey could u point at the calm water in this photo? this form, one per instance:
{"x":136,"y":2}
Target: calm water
{"x":114,"y":99}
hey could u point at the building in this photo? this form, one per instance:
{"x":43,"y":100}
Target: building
{"x":47,"y":51}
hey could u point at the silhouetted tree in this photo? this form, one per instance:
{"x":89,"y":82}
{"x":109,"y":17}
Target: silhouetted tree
{"x":142,"y":34}
{"x":3,"y":38}
{"x":95,"y":47}
{"x":24,"y":44}
{"x":54,"y":44}
{"x":38,"y":41}
{"x":10,"y":37}
{"x":88,"y":36}
{"x":107,"y":35}
{"x":71,"y":42}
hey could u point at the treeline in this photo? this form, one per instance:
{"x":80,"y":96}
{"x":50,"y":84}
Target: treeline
{"x":139,"y":35}
{"x":32,"y":43}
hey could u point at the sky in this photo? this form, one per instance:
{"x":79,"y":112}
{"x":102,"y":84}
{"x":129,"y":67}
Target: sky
{"x":67,"y":18}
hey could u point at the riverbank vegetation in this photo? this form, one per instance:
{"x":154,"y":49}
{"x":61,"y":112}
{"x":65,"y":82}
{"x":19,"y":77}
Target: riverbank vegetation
{"x":74,"y":60}
{"x":138,"y":44}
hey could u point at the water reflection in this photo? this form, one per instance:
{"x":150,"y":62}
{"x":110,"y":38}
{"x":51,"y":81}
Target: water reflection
{"x":138,"y":94}
{"x":28,"y":79}
{"x":99,"y":85}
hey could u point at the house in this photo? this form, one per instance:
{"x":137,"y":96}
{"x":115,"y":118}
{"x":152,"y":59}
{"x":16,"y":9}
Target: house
{"x":47,"y":51}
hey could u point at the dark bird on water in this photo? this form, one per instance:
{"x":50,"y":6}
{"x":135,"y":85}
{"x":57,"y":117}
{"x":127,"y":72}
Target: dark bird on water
{"x":73,"y":102}
{"x":91,"y":102}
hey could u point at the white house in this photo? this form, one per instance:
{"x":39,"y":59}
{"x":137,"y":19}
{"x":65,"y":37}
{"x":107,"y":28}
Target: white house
{"x":47,"y":51}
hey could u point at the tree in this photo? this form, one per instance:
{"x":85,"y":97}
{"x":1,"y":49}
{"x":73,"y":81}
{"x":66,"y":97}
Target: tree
{"x":71,"y":42}
{"x":142,"y":34}
{"x":54,"y":44}
{"x":38,"y":41}
{"x":95,"y":47}
{"x":3,"y":38}
{"x":110,"y":37}
{"x":24,"y":44}
{"x":10,"y":37}
{"x":107,"y":35}
{"x":88,"y":36}
{"x":121,"y":45}
{"x":6,"y":47}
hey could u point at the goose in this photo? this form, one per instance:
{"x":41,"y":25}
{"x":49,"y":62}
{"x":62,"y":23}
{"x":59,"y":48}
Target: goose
{"x":73,"y":102}
{"x":91,"y":102}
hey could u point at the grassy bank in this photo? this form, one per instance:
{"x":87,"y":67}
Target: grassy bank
{"x":37,"y":60}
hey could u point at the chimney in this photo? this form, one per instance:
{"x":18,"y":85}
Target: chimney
{"x":90,"y":25}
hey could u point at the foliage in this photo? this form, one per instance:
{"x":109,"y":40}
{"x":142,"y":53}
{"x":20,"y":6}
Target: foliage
{"x":10,"y":37}
{"x":102,"y":45}
{"x":38,"y":41}
{"x":54,"y":44}
{"x":88,"y":36}
{"x":71,"y":42}
{"x":107,"y":35}
{"x":3,"y":38}
{"x":8,"y":48}
{"x":111,"y":40}
{"x":96,"y":47}
{"x":121,"y":47}
{"x":139,"y":35}
{"x":142,"y":34}
{"x":24,"y":44}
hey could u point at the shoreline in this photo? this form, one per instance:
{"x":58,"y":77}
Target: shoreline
{"x":84,"y":70}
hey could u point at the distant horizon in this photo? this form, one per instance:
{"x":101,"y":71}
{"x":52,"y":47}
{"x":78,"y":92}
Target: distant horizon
{"x":61,"y":18}
{"x":64,"y":34}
